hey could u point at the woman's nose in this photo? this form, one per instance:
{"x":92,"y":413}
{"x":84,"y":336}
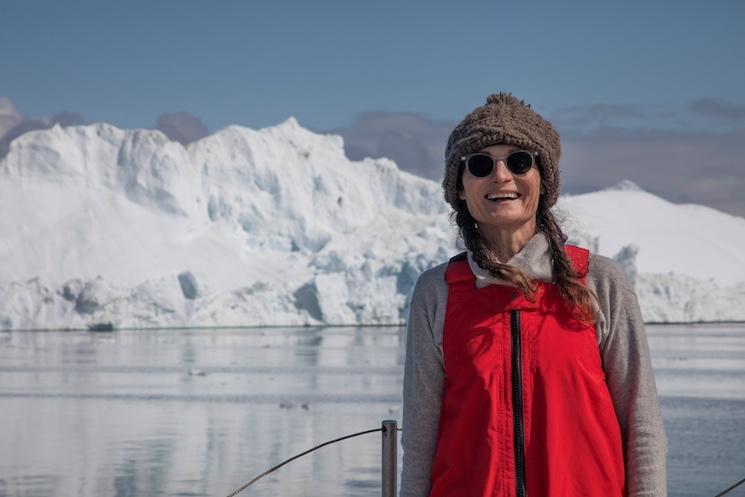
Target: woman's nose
{"x":501,"y":173}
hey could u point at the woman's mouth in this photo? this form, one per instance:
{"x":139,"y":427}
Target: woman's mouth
{"x":502,"y":196}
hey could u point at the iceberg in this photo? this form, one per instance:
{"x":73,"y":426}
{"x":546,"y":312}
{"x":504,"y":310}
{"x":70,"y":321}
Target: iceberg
{"x":278,"y":227}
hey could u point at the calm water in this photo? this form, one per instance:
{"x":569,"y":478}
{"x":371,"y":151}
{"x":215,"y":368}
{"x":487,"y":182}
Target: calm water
{"x":199,"y":413}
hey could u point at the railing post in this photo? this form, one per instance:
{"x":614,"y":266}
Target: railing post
{"x":390,"y":448}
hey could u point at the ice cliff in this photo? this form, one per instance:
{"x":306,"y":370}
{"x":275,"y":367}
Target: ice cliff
{"x":276,"y":226}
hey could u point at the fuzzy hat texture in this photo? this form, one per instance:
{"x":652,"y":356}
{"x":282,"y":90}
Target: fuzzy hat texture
{"x":503,"y":119}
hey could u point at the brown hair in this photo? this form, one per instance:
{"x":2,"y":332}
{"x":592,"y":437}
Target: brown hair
{"x":575,"y":294}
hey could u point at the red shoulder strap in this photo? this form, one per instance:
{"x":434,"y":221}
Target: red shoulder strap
{"x":458,"y":269}
{"x":580,"y":258}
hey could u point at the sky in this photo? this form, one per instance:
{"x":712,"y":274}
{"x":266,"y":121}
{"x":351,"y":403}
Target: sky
{"x":615,"y":72}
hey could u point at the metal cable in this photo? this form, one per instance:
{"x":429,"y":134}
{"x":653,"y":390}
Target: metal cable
{"x":236,"y":492}
{"x":731,"y":488}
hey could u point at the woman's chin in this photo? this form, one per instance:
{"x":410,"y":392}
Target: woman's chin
{"x":504,"y":216}
{"x":504,"y":222}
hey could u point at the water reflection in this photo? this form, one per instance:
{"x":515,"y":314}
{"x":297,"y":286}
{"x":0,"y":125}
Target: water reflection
{"x":200,"y":412}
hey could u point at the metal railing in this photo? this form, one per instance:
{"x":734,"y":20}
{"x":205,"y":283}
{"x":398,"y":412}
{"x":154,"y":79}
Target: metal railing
{"x":389,"y":443}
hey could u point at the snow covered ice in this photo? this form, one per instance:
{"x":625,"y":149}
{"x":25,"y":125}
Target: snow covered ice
{"x":276,"y":226}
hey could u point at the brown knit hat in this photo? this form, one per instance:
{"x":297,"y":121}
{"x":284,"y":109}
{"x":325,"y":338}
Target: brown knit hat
{"x":503,"y":119}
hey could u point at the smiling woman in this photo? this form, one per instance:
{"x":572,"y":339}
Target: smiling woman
{"x":527,"y":365}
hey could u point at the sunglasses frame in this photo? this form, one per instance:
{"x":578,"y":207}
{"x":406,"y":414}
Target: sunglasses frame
{"x":533,"y":157}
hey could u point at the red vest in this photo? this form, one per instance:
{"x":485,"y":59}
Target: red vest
{"x":526,"y":410}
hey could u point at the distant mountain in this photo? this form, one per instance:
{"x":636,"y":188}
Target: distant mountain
{"x":127,"y":228}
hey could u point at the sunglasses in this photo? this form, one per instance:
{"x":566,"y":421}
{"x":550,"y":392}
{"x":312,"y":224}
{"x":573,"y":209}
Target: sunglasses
{"x":481,"y":164}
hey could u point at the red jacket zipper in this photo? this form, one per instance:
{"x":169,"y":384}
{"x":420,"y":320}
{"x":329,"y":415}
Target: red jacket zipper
{"x":517,"y":405}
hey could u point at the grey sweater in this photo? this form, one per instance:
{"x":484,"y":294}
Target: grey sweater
{"x":623,"y":348}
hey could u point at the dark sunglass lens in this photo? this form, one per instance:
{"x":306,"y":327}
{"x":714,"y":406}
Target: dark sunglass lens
{"x":519,"y":162}
{"x":480,"y":165}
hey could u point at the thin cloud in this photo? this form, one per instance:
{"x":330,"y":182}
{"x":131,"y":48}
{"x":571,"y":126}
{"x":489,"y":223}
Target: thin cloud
{"x":605,"y":111}
{"x":598,"y":114}
{"x":181,"y":127}
{"x":414,"y":141}
{"x":9,"y":116}
{"x":718,"y":108}
{"x":23,"y":125}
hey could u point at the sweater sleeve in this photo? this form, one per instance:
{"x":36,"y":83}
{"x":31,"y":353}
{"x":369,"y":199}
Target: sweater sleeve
{"x":630,"y":378}
{"x":423,"y":384}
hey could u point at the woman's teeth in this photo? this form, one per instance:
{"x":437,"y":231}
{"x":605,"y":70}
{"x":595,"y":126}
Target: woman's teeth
{"x":502,"y":196}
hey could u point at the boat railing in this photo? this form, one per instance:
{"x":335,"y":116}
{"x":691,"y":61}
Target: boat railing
{"x":389,"y":464}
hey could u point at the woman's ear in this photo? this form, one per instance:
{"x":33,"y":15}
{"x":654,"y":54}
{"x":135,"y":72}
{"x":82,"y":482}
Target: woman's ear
{"x":461,"y":195}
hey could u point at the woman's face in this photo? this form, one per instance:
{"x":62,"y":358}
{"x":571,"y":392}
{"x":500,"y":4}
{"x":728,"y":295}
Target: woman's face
{"x":505,"y":214}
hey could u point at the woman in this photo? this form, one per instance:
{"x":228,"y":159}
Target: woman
{"x":527,"y":365}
